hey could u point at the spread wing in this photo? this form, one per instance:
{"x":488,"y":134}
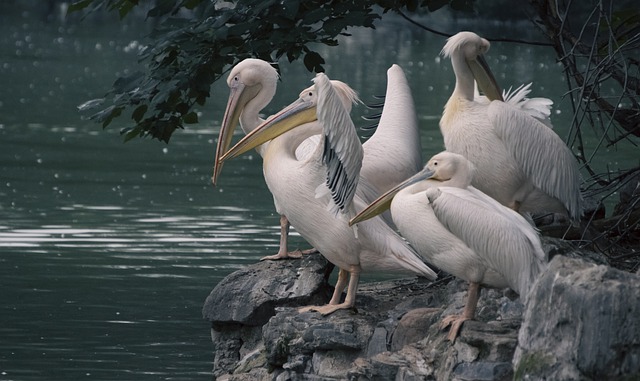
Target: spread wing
{"x":342,"y":152}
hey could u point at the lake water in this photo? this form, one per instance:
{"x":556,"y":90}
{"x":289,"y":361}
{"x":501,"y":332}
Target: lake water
{"x":108,"y":250}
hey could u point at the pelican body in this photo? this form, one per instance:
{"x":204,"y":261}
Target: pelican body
{"x":392,"y":154}
{"x":321,"y":192}
{"x":462,"y":231}
{"x":252,"y":85}
{"x":519,"y":160}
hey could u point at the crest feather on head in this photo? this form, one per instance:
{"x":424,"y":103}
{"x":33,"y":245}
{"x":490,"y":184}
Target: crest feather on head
{"x":457,"y":41}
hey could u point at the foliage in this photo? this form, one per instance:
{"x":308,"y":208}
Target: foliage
{"x":198,"y":40}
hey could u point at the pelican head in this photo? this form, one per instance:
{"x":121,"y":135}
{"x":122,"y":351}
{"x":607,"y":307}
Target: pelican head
{"x":447,"y":168}
{"x":301,"y":111}
{"x":470,"y":48}
{"x":250,"y":80}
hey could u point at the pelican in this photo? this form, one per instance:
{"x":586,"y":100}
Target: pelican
{"x":462,"y":231}
{"x":252,"y":84}
{"x":519,"y":161}
{"x":320,"y":193}
{"x":392,"y":154}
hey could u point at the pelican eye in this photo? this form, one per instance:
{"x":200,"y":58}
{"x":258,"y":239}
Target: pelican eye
{"x":310,"y":93}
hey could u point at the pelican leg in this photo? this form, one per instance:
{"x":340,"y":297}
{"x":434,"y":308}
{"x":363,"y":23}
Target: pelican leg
{"x":343,"y":275}
{"x":282,"y":251}
{"x":350,"y":299}
{"x":455,"y":321}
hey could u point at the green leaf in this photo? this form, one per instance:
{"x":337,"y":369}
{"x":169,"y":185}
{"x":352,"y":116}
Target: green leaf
{"x":163,"y":7}
{"x":139,"y":112}
{"x":78,"y":6}
{"x":190,"y":118}
{"x":412,"y":5}
{"x":128,"y":83}
{"x":313,"y":62}
{"x":131,"y":132}
{"x":434,"y":5}
{"x":191,"y":4}
{"x":290,"y":9}
{"x":106,"y":116}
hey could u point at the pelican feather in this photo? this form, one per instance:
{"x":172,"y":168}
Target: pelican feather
{"x":342,"y":152}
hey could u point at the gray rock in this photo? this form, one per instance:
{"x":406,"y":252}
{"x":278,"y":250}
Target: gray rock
{"x":250,"y":296}
{"x":413,"y":326}
{"x":298,"y":341}
{"x":556,"y":246}
{"x":582,"y":323}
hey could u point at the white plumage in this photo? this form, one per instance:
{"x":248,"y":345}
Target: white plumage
{"x":463,"y":231}
{"x":295,"y":184}
{"x":391,"y":155}
{"x":519,"y":160}
{"x":394,"y":152}
{"x":252,"y":85}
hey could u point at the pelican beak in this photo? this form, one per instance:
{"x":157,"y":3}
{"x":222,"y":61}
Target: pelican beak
{"x":238,"y":97}
{"x":298,"y":113}
{"x":485,"y":79}
{"x":383,"y":202}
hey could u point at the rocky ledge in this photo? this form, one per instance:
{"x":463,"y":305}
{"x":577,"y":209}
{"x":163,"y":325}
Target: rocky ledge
{"x":582,"y":323}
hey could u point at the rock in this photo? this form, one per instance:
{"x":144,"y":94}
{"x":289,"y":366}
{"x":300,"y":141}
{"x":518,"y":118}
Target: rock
{"x":582,"y":323}
{"x":413,"y":326}
{"x":315,"y":344}
{"x":250,"y":296}
{"x":393,"y":332}
{"x":245,"y":300}
{"x":556,"y":246}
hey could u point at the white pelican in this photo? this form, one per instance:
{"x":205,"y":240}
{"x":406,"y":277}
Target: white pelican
{"x":392,"y":154}
{"x":320,"y":193}
{"x":462,"y":231}
{"x":519,"y":161}
{"x":252,"y":84}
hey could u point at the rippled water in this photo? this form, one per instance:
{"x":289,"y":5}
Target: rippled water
{"x":108,"y":250}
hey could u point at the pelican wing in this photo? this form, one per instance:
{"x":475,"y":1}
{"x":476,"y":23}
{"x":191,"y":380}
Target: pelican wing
{"x":503,"y":239}
{"x":393,"y":153}
{"x":541,"y":154}
{"x":342,"y":152}
{"x":539,"y":108}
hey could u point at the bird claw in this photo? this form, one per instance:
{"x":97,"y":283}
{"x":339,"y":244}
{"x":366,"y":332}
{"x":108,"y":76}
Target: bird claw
{"x":296,"y":254}
{"x":455,"y":321}
{"x":327,"y":309}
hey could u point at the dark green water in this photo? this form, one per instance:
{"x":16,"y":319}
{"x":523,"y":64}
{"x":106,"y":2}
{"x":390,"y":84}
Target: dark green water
{"x":108,"y":250}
